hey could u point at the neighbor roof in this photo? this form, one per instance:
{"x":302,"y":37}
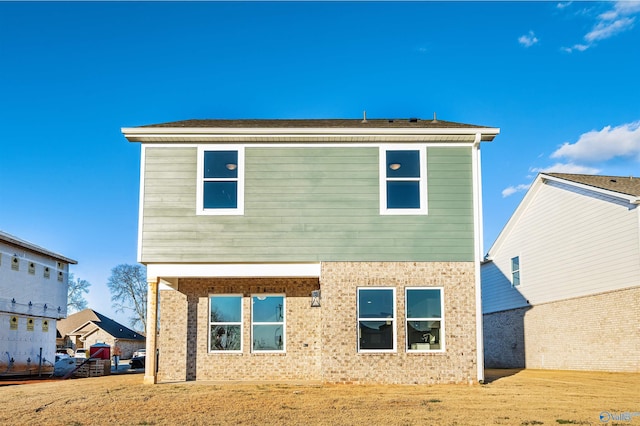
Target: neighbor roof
{"x":15,"y":241}
{"x":78,"y":322}
{"x":628,"y":185}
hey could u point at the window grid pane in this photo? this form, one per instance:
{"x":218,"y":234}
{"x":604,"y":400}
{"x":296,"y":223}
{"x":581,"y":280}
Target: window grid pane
{"x":424,"y":319}
{"x":402,"y":182}
{"x":268,"y":323}
{"x":220,"y":190}
{"x":376,"y":319}
{"x":225,"y":323}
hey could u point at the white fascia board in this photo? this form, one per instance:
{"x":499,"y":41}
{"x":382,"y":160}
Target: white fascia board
{"x":280,"y":132}
{"x":233,"y":270}
{"x":630,"y":198}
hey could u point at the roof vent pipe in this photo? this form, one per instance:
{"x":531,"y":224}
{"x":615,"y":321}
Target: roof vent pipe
{"x":435,"y":119}
{"x":364,"y":116}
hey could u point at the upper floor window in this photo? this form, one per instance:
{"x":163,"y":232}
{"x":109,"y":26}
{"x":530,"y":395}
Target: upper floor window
{"x":515,"y":271}
{"x":376,"y":319}
{"x":220,"y":181}
{"x":403,"y":188}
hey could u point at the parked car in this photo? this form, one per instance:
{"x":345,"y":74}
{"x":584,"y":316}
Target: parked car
{"x":61,"y":355}
{"x":82,"y":353}
{"x":137,"y":362}
{"x":139,"y":352}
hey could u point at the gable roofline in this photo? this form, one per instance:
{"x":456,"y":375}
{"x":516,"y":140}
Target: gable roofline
{"x":612,"y":186}
{"x":312,"y":130}
{"x":624,"y":187}
{"x":99,"y":321}
{"x":15,"y":241}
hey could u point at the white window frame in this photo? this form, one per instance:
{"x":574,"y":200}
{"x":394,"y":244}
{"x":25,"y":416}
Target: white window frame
{"x":513,"y":271}
{"x":283,"y":323}
{"x":442,"y":320}
{"x":239,"y":210}
{"x":423,"y":209}
{"x":394,"y":321}
{"x":212,"y":323}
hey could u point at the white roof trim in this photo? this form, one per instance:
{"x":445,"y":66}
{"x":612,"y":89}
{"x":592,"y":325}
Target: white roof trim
{"x":315,"y":131}
{"x":233,"y":270}
{"x":630,"y":198}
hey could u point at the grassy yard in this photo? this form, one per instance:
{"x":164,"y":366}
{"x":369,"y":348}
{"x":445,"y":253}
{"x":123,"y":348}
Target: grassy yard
{"x":528,"y":397}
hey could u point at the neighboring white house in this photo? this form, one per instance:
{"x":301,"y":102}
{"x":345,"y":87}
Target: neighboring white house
{"x":561,"y":284}
{"x":33,"y":296}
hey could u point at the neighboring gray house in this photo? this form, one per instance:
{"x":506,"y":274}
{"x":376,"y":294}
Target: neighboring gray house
{"x":33,"y":296}
{"x":561,"y":284}
{"x":323,"y":250}
{"x":88,"y":327}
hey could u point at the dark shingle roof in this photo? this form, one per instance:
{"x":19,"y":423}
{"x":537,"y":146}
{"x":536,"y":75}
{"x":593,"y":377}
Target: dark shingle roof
{"x":318,"y":123}
{"x":114,"y":328}
{"x":628,"y":185}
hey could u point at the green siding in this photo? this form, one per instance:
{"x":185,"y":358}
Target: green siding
{"x":305,"y":205}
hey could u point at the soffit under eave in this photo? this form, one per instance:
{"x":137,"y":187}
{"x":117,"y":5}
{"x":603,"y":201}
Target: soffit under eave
{"x":346,"y":139}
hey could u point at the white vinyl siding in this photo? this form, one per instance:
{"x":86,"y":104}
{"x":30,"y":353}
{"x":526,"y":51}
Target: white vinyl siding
{"x":575,"y":242}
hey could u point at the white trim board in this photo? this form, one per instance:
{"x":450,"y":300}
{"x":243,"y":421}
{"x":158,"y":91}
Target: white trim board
{"x":232,"y":270}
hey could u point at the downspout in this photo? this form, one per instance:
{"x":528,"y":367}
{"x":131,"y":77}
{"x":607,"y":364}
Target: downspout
{"x":478,"y":245}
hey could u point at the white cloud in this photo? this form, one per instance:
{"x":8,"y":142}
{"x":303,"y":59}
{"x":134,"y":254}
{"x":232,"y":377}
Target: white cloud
{"x":562,"y":5}
{"x":603,"y":145}
{"x":607,"y":29}
{"x":608,"y":24}
{"x":528,"y":40}
{"x":514,"y":189}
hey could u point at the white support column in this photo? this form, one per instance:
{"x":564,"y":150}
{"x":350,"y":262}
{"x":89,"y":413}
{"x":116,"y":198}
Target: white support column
{"x":150,"y":367}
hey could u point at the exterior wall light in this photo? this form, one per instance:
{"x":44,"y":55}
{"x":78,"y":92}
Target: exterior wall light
{"x":315,"y":299}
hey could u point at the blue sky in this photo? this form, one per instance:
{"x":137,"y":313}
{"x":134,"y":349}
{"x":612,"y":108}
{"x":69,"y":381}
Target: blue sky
{"x":560,"y":79}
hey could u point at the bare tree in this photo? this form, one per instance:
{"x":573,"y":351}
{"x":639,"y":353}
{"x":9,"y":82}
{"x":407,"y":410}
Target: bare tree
{"x":128,"y":287}
{"x":75,"y":299}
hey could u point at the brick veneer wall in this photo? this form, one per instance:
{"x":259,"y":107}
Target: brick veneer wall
{"x":183,"y":339}
{"x":341,"y":361}
{"x":127,"y":347}
{"x":321,"y":343}
{"x":599,"y":333}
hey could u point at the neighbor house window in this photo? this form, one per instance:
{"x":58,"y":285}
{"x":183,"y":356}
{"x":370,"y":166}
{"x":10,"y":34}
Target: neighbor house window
{"x":376,"y":319}
{"x":515,"y":271}
{"x":425,"y":330}
{"x":225,"y":323}
{"x":267,"y":323}
{"x":220,"y":181}
{"x":403,"y":187}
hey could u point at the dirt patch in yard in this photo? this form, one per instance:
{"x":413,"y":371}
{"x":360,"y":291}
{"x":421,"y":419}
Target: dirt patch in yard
{"x":510,"y":397}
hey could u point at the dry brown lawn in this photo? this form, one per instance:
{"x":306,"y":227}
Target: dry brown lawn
{"x":528,"y":397}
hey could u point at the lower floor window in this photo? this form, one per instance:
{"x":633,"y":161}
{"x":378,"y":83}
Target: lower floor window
{"x":424,"y":307}
{"x":376,"y":319}
{"x":267,"y":323}
{"x":225,"y":323}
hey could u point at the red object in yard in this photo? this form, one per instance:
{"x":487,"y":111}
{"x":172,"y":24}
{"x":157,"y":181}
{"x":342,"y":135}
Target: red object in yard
{"x":100,"y":351}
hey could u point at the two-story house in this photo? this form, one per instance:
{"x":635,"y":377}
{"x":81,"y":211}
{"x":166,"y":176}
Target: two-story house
{"x":343,"y":250}
{"x":561,"y":283}
{"x":33,"y":296}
